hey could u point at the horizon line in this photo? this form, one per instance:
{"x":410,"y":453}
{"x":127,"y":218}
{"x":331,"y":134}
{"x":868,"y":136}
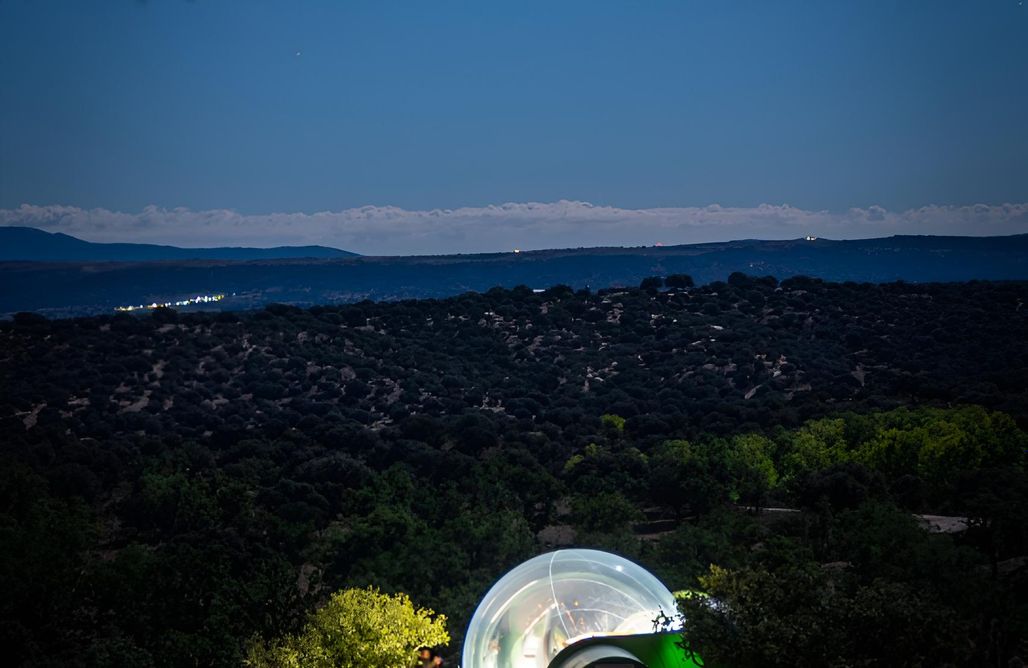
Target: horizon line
{"x":390,"y":230}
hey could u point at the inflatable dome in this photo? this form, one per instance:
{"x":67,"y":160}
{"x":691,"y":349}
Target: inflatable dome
{"x":557,"y":599}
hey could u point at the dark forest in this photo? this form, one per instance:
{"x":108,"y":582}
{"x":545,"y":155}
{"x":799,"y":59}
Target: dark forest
{"x":179,"y":486}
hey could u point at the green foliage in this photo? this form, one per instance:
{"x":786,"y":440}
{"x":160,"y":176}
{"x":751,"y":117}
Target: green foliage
{"x":603,"y":511}
{"x":805,"y":616}
{"x":938,"y":445}
{"x":42,"y":544}
{"x":816,"y":445}
{"x":996,"y":504}
{"x":615,"y":422}
{"x":688,"y":476}
{"x":356,"y":628}
{"x":752,"y":467}
{"x":723,"y":537}
{"x":175,"y":502}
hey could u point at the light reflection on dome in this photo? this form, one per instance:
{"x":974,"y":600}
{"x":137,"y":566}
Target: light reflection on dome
{"x":556,"y":599}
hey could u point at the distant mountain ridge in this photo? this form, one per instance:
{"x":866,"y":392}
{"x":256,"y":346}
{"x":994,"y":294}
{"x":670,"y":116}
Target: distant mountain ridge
{"x":60,"y":289}
{"x":29,"y":244}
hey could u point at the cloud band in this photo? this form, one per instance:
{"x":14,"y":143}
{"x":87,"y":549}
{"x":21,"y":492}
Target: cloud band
{"x":387,"y":230}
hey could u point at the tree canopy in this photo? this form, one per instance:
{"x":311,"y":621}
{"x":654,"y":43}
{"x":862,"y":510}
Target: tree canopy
{"x":356,"y":628}
{"x":173,"y":486}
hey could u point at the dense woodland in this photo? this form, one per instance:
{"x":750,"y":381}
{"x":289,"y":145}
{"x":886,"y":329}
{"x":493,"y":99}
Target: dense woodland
{"x":178,"y":487}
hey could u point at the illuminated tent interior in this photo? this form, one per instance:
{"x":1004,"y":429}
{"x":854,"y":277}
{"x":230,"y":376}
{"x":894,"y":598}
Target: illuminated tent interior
{"x":557,"y":599}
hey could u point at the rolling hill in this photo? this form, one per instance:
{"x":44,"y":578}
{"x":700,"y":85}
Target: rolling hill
{"x":78,"y":288}
{"x":34,"y":245}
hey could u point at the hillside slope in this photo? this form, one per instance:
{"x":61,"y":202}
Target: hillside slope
{"x":69,"y":289}
{"x":84,"y":288}
{"x":200,"y":478}
{"x":28,"y":244}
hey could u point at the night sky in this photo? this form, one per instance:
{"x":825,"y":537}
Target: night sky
{"x":209,"y":122}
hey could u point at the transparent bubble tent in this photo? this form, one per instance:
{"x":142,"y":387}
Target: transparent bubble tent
{"x":557,"y":599}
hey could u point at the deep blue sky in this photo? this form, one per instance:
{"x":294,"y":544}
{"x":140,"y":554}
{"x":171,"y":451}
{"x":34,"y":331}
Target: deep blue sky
{"x":205,"y":104}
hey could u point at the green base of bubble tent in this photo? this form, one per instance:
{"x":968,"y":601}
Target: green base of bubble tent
{"x":653,"y":650}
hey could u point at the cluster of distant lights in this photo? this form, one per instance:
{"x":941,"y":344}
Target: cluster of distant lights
{"x":201,"y":299}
